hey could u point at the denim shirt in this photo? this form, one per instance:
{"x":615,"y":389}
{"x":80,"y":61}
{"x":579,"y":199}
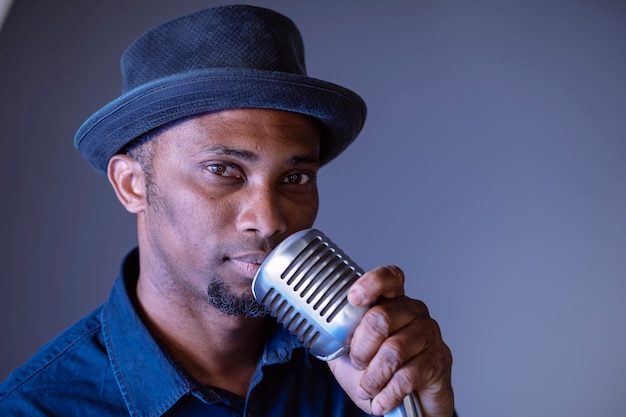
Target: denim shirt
{"x":108,"y":364}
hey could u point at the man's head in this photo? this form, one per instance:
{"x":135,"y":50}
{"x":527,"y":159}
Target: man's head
{"x":221,"y":191}
{"x":217,"y":59}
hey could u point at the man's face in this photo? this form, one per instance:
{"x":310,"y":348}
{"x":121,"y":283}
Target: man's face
{"x":225,"y":189}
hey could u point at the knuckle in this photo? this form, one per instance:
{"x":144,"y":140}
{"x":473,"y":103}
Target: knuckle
{"x":405,"y":382}
{"x":391,"y":357}
{"x":445,"y":357}
{"x":395,"y":272}
{"x":392,"y":395}
{"x":437,"y":365}
{"x":372,"y":382}
{"x":434,"y":333}
{"x":421,"y":309}
{"x":378,"y":322}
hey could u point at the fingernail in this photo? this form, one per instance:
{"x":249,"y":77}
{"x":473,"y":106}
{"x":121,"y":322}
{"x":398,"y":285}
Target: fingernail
{"x":355,"y":296}
{"x":376,"y":409}
{"x":358,"y":366}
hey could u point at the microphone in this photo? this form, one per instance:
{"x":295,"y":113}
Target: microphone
{"x":304,"y":284}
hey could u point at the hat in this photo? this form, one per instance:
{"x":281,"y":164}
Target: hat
{"x":216,"y":59}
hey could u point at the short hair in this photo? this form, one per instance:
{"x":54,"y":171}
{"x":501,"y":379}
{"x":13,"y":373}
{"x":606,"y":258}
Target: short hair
{"x":143,"y":149}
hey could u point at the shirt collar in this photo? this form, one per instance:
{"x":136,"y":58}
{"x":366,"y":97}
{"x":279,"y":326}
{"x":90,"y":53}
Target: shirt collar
{"x":149,"y":380}
{"x":149,"y":383}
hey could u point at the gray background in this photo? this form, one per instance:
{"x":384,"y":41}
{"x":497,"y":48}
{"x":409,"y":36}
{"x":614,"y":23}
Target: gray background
{"x":491,"y":169}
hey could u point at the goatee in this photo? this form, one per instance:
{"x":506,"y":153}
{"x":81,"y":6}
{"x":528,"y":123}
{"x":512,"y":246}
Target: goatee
{"x":231,"y":304}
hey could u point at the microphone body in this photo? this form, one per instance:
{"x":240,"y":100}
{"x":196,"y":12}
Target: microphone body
{"x":304,"y":284}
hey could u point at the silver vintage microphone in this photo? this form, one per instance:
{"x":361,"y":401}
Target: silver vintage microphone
{"x":304,"y":284}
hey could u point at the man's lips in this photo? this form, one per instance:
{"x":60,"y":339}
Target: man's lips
{"x":248,"y":264}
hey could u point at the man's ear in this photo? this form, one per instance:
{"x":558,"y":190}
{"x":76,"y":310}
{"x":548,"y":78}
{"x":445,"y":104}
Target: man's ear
{"x":129,"y":182}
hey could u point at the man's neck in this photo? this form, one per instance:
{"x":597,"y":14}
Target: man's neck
{"x":215,"y":349}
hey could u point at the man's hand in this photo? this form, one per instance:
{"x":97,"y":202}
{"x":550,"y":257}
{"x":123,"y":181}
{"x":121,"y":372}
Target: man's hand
{"x":396,"y":349}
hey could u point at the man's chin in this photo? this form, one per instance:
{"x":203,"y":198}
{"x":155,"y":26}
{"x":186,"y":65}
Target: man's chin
{"x":230,"y":303}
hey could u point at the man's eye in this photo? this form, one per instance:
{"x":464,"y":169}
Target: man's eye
{"x":298,"y":179}
{"x":223,"y":170}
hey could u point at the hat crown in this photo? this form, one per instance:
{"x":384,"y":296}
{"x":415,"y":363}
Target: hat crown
{"x":228,"y":57}
{"x":224,"y":37}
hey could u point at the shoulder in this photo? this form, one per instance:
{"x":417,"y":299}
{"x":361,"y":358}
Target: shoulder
{"x":69,"y":366}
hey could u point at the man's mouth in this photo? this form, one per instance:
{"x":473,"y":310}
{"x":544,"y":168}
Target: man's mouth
{"x":248,"y":264}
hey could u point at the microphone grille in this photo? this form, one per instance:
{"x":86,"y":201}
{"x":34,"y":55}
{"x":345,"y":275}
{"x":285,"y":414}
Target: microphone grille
{"x":304,"y":283}
{"x":291,"y":319}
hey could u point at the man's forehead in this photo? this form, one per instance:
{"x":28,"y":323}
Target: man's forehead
{"x":243,"y":133}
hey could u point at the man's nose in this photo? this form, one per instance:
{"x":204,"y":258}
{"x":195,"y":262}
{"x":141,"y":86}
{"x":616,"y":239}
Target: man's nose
{"x":262,"y":212}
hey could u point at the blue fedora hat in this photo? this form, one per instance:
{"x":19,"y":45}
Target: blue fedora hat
{"x":216,"y":59}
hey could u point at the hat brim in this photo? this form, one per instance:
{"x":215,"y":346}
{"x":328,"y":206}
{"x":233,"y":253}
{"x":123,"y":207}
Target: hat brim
{"x":165,"y":100}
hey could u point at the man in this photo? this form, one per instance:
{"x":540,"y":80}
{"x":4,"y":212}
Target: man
{"x":215,"y":144}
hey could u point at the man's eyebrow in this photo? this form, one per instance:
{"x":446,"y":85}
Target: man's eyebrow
{"x":230,"y":151}
{"x":252,"y":157}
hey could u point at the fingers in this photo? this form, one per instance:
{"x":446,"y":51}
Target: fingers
{"x":428,"y":373}
{"x":384,"y":281}
{"x":383,"y":332}
{"x":396,"y":360}
{"x":398,"y":347}
{"x":396,"y":350}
